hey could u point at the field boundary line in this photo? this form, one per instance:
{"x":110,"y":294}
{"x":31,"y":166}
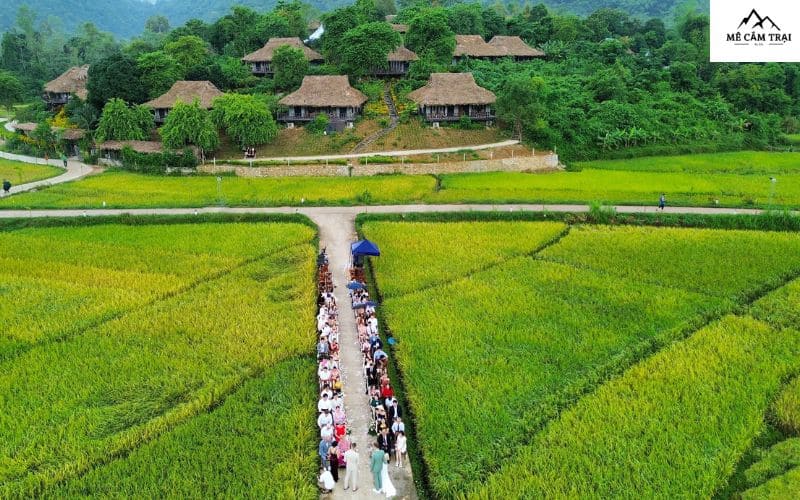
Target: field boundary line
{"x":23,"y":348}
{"x":487,"y":267}
{"x":175,"y":416}
{"x":570,"y":395}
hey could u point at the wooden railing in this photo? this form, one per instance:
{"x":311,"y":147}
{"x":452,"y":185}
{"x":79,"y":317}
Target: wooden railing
{"x":444,"y":117}
{"x":303,"y":117}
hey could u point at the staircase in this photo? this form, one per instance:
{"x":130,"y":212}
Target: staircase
{"x":393,"y":121}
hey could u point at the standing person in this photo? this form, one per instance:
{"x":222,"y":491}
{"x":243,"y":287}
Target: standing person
{"x":376,"y":467}
{"x":662,"y":201}
{"x":6,"y":186}
{"x":324,"y":447}
{"x":385,"y":441}
{"x":388,"y":488}
{"x":400,"y":447}
{"x":333,"y":458}
{"x":351,"y":474}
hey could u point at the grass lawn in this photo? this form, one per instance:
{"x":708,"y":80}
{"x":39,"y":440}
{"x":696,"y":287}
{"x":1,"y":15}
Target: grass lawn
{"x":298,"y":142}
{"x":740,"y":162}
{"x":21,"y":173}
{"x":416,"y":135}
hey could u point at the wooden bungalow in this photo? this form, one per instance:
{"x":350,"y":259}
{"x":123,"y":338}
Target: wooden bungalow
{"x":186,"y":92}
{"x":69,"y":137}
{"x":399,"y":62}
{"x":400,"y":28}
{"x":449,"y":96}
{"x":260,"y":61}
{"x":514,"y":46}
{"x":474,"y":47}
{"x":71,"y":83}
{"x":331,"y":95}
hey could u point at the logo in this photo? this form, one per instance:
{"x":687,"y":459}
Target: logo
{"x":759,"y":31}
{"x":754,"y":31}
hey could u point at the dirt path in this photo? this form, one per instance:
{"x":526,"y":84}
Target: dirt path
{"x":336,"y":232}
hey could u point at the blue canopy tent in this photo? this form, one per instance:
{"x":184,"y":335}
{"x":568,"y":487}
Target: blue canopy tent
{"x":364,"y":247}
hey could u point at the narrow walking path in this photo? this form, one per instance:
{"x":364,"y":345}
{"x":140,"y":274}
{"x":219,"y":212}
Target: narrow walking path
{"x":74,"y":171}
{"x":393,"y":121}
{"x":336,"y":232}
{"x":408,"y":152}
{"x":315,"y":213}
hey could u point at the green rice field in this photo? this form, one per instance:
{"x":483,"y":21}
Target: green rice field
{"x":21,"y":173}
{"x":128,"y":347}
{"x":590,"y":360}
{"x":741,"y":179}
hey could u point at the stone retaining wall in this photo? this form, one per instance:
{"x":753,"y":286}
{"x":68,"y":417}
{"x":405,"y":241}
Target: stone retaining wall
{"x":538,"y":163}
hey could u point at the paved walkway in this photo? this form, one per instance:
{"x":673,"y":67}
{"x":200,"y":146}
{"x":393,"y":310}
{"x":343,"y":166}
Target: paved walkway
{"x":410,"y":152}
{"x":75,"y":170}
{"x":316,"y":213}
{"x":336,"y":232}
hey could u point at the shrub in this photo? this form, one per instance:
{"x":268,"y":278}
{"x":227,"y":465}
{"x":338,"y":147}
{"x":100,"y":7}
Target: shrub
{"x":157,"y":163}
{"x":319,"y":124}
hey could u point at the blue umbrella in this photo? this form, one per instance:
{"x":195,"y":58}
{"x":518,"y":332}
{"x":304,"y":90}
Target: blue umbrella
{"x":355,"y":285}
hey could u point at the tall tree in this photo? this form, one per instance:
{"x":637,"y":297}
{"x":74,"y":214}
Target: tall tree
{"x":189,"y":125}
{"x":189,"y":51}
{"x":118,"y":122}
{"x":115,"y":76}
{"x":337,"y":23}
{"x":430,"y":35}
{"x":290,"y":66}
{"x":159,"y":71}
{"x":10,"y":89}
{"x":157,"y":24}
{"x":366,"y":46}
{"x":246,"y":119}
{"x":520,"y":104}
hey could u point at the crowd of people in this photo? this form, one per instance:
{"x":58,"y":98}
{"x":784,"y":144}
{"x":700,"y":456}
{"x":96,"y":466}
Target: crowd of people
{"x":387,"y":416}
{"x":335,"y":448}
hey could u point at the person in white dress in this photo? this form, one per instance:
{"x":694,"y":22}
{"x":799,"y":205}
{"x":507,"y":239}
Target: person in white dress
{"x":388,"y":488}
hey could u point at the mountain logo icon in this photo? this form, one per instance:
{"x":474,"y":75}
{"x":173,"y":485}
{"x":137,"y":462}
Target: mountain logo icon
{"x":758,"y":21}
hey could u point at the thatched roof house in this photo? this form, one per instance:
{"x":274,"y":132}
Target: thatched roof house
{"x":261,"y":60}
{"x":138,"y":146}
{"x":474,"y":46}
{"x":449,"y":96}
{"x":514,"y":46}
{"x":67,"y":134}
{"x":331,"y":95}
{"x":71,"y":82}
{"x":399,"y":62}
{"x":186,"y":92}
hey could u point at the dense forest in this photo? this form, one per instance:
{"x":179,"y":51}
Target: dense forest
{"x":126,"y":18}
{"x":610,"y":85}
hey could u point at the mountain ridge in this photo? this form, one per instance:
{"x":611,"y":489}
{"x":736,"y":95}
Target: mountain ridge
{"x":126,"y":18}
